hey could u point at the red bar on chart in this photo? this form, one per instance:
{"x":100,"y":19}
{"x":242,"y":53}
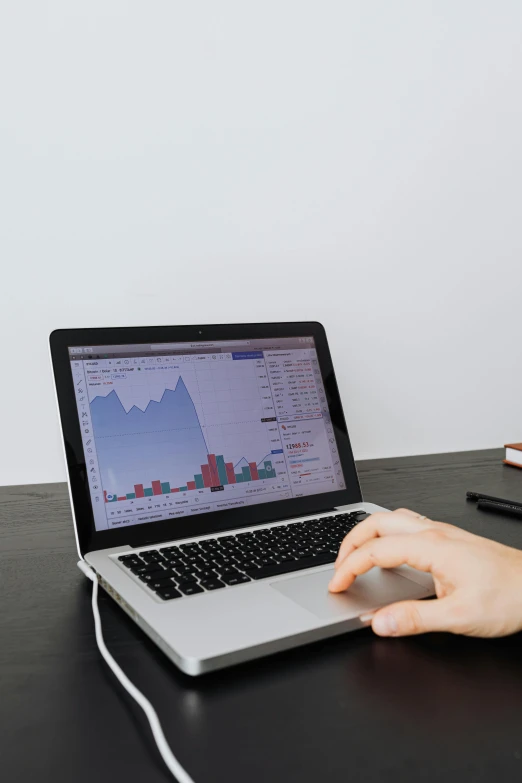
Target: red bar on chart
{"x":175,"y":490}
{"x":123,"y":497}
{"x":156,"y":487}
{"x":231,"y":476}
{"x":191,"y":485}
{"x":138,"y":489}
{"x":214,"y":475}
{"x":105,"y":495}
{"x":207,"y":478}
{"x":253,"y":471}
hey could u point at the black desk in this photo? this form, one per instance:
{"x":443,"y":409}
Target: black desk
{"x":355,"y":708}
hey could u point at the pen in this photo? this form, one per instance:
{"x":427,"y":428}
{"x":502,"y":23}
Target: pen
{"x":478,"y":496}
{"x":503,"y":508}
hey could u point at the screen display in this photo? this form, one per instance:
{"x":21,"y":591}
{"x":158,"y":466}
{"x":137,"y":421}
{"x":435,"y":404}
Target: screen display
{"x":172,"y":430}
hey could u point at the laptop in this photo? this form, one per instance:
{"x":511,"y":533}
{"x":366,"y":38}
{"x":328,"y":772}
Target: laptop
{"x":212,"y":481}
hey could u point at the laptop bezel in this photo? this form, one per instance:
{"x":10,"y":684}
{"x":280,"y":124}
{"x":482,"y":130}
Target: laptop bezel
{"x":90,"y":539}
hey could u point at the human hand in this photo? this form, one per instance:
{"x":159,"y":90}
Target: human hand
{"x":478,"y":582}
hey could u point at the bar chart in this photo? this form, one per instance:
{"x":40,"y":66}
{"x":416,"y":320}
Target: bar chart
{"x":215,"y":474}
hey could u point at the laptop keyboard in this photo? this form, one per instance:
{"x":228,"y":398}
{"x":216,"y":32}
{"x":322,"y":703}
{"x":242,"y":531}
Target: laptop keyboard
{"x":214,"y":563}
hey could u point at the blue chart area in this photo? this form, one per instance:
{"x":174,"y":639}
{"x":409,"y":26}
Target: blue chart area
{"x":162,"y":444}
{"x":175,"y":410}
{"x":162,"y":441}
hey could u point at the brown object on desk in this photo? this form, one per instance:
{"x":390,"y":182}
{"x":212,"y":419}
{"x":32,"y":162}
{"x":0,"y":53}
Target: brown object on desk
{"x":513,"y":454}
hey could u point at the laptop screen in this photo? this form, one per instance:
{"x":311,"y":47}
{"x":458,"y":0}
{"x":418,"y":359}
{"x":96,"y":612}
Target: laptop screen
{"x":178,"y":429}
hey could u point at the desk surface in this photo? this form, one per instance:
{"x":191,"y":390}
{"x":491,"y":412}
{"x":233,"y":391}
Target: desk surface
{"x":359,"y":708}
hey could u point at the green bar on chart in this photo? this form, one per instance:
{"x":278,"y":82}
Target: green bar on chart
{"x":247,"y":476}
{"x":239,"y":478}
{"x":147,"y":492}
{"x":131,"y":495}
{"x":262,"y":474}
{"x":270,"y":472}
{"x":183,"y":489}
{"x":222,"y":471}
{"x":165,"y":487}
{"x":198,"y":478}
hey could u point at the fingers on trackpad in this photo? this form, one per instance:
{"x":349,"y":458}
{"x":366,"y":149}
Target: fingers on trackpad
{"x":374,"y":589}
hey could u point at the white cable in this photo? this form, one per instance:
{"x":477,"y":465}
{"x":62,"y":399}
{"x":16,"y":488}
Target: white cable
{"x":157,"y":732}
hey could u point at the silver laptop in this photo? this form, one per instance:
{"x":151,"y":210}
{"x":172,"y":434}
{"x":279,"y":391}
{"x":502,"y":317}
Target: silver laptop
{"x":212,"y":480}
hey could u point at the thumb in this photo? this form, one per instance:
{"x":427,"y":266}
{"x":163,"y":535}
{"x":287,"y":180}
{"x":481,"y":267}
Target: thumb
{"x":412,"y":617}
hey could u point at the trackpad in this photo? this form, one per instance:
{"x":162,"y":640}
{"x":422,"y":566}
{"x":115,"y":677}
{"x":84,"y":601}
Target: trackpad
{"x":371,"y":591}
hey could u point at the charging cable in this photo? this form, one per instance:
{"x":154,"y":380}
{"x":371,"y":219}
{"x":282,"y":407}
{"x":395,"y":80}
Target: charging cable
{"x":157,"y":732}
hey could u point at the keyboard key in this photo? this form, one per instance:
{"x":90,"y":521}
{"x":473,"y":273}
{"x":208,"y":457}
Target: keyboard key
{"x":125,"y":558}
{"x":236,"y":579}
{"x":231,"y":551}
{"x":295,"y":565}
{"x":158,"y":584}
{"x":212,"y":584}
{"x":190,"y":588}
{"x":185,"y":576}
{"x":206,"y":574}
{"x":265,"y":560}
{"x":157,"y":558}
{"x":195,"y":560}
{"x":229,"y":570}
{"x":147,"y":568}
{"x":224,"y":561}
{"x":247,"y":563}
{"x":134,"y":563}
{"x":174,"y":562}
{"x":153,"y":575}
{"x":168,"y":593}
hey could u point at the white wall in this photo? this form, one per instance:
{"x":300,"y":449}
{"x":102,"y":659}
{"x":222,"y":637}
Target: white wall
{"x":358,"y":163}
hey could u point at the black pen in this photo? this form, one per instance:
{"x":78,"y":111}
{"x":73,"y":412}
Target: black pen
{"x":502,"y":508}
{"x":478,"y":496}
